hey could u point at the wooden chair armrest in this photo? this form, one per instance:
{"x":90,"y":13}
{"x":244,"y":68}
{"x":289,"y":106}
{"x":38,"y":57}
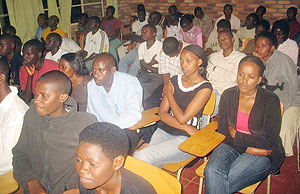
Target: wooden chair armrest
{"x":149,"y":117}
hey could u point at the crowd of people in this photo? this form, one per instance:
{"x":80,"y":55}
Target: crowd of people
{"x":66,"y":112}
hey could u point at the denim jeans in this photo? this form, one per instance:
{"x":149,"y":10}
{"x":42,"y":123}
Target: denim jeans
{"x":132,"y":58}
{"x":162,"y":149}
{"x":228,"y":171}
{"x":113,"y":45}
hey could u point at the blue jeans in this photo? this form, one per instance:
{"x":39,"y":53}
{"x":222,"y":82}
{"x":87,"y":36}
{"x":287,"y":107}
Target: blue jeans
{"x":113,"y":45}
{"x":228,"y":171}
{"x":132,"y":58}
{"x":162,"y":149}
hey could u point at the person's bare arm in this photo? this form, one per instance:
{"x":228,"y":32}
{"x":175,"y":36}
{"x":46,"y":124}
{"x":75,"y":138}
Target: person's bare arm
{"x":35,"y":187}
{"x":166,"y":78}
{"x":258,"y":151}
{"x":26,"y":95}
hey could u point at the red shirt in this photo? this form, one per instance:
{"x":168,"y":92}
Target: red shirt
{"x":48,"y":65}
{"x":110,"y":26}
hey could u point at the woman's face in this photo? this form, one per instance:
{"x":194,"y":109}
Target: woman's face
{"x":248,"y":77}
{"x":189,"y":62}
{"x":66,"y":68}
{"x":263,"y":48}
{"x":187,"y":27}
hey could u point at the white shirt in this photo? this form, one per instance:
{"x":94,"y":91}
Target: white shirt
{"x":56,"y":57}
{"x":222,"y":71}
{"x":234,"y":21}
{"x":173,"y":31}
{"x":69,"y":45}
{"x":159,"y":32}
{"x":96,"y":43}
{"x":12,"y":110}
{"x":243,"y":33}
{"x":137,"y":26}
{"x":290,"y":48}
{"x":148,"y":54}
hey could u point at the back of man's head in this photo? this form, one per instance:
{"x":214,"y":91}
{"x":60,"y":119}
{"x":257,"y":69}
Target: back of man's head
{"x":111,"y":138}
{"x":56,"y":37}
{"x":225,"y":24}
{"x":170,"y":45}
{"x":9,"y":30}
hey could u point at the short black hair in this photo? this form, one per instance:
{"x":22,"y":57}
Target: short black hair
{"x":155,"y":13}
{"x":43,"y":15}
{"x":197,"y":9}
{"x":96,"y":18}
{"x":112,"y":8}
{"x":84,"y":15}
{"x":269,"y":36}
{"x":173,"y":7}
{"x":60,"y":80}
{"x":257,"y":61}
{"x":140,"y":7}
{"x":76,"y":62}
{"x":10,"y":38}
{"x":264,"y":23}
{"x":153,"y":28}
{"x":111,"y":138}
{"x":283,"y":26}
{"x":55,"y":18}
{"x":170,"y":45}
{"x":264,"y":9}
{"x":9,"y":30}
{"x":253,"y":15}
{"x":228,"y":5}
{"x":294,"y":9}
{"x":56,"y":36}
{"x":36,"y":44}
{"x":223,"y":23}
{"x":4,"y":69}
{"x":186,"y":19}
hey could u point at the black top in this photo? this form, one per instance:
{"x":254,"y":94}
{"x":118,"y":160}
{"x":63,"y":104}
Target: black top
{"x":183,"y":97}
{"x":15,"y":64}
{"x":264,"y":123}
{"x":131,"y":184}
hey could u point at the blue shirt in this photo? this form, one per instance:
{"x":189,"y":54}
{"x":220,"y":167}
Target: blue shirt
{"x":122,"y":105}
{"x":15,"y":65}
{"x":39,"y":33}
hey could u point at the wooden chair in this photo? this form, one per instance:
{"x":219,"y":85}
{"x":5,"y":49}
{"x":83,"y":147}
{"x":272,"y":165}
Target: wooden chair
{"x":7,"y":183}
{"x":162,"y":182}
{"x":179,"y":166}
{"x":149,"y":117}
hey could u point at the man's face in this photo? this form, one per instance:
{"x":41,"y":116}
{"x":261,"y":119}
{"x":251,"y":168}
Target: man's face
{"x":172,"y":10}
{"x":198,"y":13}
{"x":279,"y":35}
{"x":250,"y":22}
{"x":5,"y":47}
{"x":103,"y":70}
{"x":52,"y":22}
{"x":147,"y":33}
{"x":41,"y":21}
{"x":109,"y":13}
{"x":225,"y":40}
{"x":141,"y":16}
{"x":154,"y":19}
{"x":290,"y":14}
{"x":93,"y":167}
{"x":92,"y":24}
{"x":30,"y":55}
{"x":47,"y":99}
{"x":50,"y":43}
{"x":263,"y":48}
{"x":227,"y":12}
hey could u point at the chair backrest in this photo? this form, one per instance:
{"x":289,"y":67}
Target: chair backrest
{"x":7,"y":183}
{"x":210,"y":107}
{"x":161,"y":181}
{"x":281,"y":108}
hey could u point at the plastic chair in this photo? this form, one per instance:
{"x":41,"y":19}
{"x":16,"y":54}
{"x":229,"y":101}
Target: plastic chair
{"x":161,"y":181}
{"x":179,"y":166}
{"x":7,"y":183}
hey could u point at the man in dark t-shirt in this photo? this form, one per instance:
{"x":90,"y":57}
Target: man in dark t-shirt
{"x":101,"y":153}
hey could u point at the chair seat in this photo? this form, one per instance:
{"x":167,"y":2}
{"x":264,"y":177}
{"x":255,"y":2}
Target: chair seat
{"x":7,"y":183}
{"x":249,"y":189}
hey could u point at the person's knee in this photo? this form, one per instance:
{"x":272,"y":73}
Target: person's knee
{"x":143,"y":155}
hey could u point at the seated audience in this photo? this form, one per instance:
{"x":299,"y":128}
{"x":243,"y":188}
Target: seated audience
{"x":107,"y":146}
{"x":148,"y":51}
{"x":44,"y":157}
{"x":249,"y":30}
{"x":234,"y":21}
{"x":292,"y":20}
{"x":96,"y":42}
{"x":212,"y":44}
{"x":113,"y":96}
{"x":12,"y":110}
{"x":203,"y":21}
{"x":261,"y":26}
{"x":249,"y":117}
{"x":185,"y":95}
{"x":12,"y":31}
{"x":138,"y":24}
{"x":43,"y":24}
{"x":189,"y":33}
{"x":112,"y":27}
{"x":222,"y":65}
{"x":34,"y":66}
{"x":288,"y":46}
{"x":52,"y":28}
{"x":10,"y":56}
{"x":73,"y":66}
{"x":282,"y":79}
{"x":82,"y":23}
{"x":130,"y":63}
{"x":53,"y":47}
